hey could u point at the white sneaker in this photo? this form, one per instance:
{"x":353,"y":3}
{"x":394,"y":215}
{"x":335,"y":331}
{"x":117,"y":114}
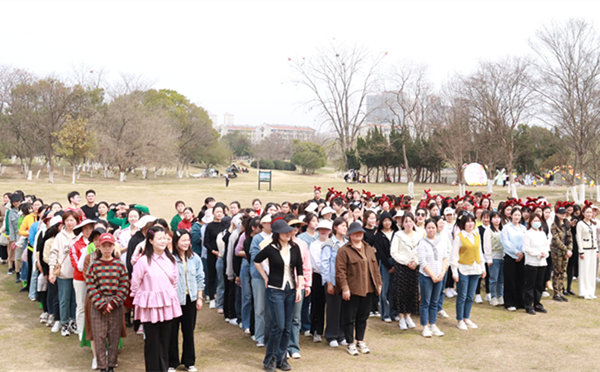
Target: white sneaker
{"x":64,"y":330}
{"x":409,"y":322}
{"x":94,"y":363}
{"x":443,"y":314}
{"x":387,"y":320}
{"x":192,"y":369}
{"x":171,"y":369}
{"x":511,"y":308}
{"x":587,"y":297}
{"x":317,"y":338}
{"x":344,"y":343}
{"x":43,"y":317}
{"x":333,"y":343}
{"x":501,"y":301}
{"x":454,"y":293}
{"x":260,"y":344}
{"x":545,"y":294}
{"x":296,"y":356}
{"x":240,"y":325}
{"x":396,"y":318}
{"x":233,"y":321}
{"x":140,"y":330}
{"x":307,"y":334}
{"x":247,"y":331}
{"x":55,"y":327}
{"x":253,"y":338}
{"x":212,"y":304}
{"x":462,"y":326}
{"x":594,"y":297}
{"x":351,"y":349}
{"x":50,"y":320}
{"x":426,"y":331}
{"x":362,"y":347}
{"x":436,"y":331}
{"x":402,"y":324}
{"x":478,"y":299}
{"x":449,"y":293}
{"x":488,"y":297}
{"x":494,"y":301}
{"x":470,"y":324}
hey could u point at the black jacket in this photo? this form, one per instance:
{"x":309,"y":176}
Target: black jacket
{"x":382,"y":244}
{"x":276,"y":264}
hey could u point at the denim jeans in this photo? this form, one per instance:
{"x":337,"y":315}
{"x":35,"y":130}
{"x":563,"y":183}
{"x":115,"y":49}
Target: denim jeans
{"x":33,"y":284}
{"x":305,"y":315}
{"x":440,"y":305}
{"x":66,"y":300}
{"x":220,"y":283}
{"x":281,"y":305}
{"x":258,"y":292}
{"x":205,"y":268}
{"x":246,"y":294}
{"x":430,"y":293}
{"x":294,"y":344}
{"x":466,"y":286}
{"x":497,"y":278}
{"x":384,"y":303}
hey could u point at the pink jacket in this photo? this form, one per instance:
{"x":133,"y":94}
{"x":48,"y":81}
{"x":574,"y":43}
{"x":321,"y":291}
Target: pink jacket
{"x":306,"y":266}
{"x":153,"y":289}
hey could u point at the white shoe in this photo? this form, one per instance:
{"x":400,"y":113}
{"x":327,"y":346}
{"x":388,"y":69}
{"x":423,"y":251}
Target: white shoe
{"x":247,"y":331}
{"x":317,"y":338}
{"x":344,"y":343}
{"x":478,"y":299}
{"x":387,"y":320}
{"x":545,"y":294}
{"x":470,"y":324}
{"x":436,"y":331}
{"x":50,"y":320}
{"x":192,"y":369}
{"x":488,"y":297}
{"x":494,"y":301}
{"x":241,"y":325}
{"x":260,"y":344}
{"x":426,"y":332}
{"x":233,"y":321}
{"x":587,"y":297}
{"x":64,"y":330}
{"x":454,"y":293}
{"x":140,"y":330}
{"x":449,"y":293}
{"x":55,"y":327}
{"x":512,"y":308}
{"x":295,"y":355}
{"x":212,"y":304}
{"x":171,"y":369}
{"x":443,"y":314}
{"x":396,"y":318}
{"x":462,"y":326}
{"x":253,"y":338}
{"x":307,"y":334}
{"x":409,"y":322}
{"x":362,"y":347}
{"x":351,"y":349}
{"x":333,"y":343}
{"x":594,"y":297}
{"x":501,"y":301}
{"x":94,"y":363}
{"x":43,"y":317}
{"x":402,"y":324}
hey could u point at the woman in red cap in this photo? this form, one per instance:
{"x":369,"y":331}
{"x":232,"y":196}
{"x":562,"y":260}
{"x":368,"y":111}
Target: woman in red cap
{"x":107,"y":285}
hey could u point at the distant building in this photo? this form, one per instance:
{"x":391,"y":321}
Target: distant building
{"x":257,"y":134}
{"x":378,"y":108}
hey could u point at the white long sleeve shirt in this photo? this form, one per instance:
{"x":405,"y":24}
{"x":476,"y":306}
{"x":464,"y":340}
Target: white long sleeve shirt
{"x":536,"y":242}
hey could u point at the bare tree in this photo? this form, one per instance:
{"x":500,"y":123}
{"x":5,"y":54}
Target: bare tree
{"x":501,"y":95}
{"x":339,"y":80}
{"x":569,"y":75}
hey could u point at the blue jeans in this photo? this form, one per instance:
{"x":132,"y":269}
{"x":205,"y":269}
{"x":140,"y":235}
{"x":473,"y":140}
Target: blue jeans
{"x":246,"y":294}
{"x":294,"y":344}
{"x":66,"y":300}
{"x":281,"y":305}
{"x":497,"y":278}
{"x":33,"y":284}
{"x":466,"y":286}
{"x":430,"y":293}
{"x":384,"y":303}
{"x":440,"y":304}
{"x":205,"y":268}
{"x":220,"y":283}
{"x":258,"y":292}
{"x":305,"y":316}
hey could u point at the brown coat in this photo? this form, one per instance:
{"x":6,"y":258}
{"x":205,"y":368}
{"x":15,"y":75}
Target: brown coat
{"x":357,"y":272}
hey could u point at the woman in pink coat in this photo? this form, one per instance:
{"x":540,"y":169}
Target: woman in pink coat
{"x":153,"y":286}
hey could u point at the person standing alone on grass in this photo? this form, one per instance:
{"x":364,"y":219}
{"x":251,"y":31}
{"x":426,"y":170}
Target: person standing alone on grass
{"x":107,"y":284}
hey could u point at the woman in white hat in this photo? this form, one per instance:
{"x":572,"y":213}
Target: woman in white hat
{"x":317,"y":306}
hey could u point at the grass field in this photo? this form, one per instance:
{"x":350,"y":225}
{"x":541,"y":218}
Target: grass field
{"x":565,"y":339}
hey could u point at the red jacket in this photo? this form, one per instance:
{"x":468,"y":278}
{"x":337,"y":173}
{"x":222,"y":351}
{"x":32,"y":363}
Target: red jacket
{"x":76,"y":251}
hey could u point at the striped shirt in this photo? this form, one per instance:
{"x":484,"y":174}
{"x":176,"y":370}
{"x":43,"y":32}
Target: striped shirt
{"x":107,"y":283}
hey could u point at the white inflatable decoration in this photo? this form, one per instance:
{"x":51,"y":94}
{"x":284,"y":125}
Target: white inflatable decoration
{"x":475,"y":175}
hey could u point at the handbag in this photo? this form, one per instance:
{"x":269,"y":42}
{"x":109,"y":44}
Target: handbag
{"x":57,"y":268}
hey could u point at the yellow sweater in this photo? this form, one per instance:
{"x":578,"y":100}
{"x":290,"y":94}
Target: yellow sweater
{"x":469,"y":252}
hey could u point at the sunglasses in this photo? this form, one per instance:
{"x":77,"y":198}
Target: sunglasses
{"x":420,"y":214}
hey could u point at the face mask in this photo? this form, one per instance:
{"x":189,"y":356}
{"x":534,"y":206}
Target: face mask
{"x":536,"y":224}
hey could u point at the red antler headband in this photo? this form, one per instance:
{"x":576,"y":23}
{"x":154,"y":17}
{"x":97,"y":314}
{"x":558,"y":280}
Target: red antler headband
{"x":317,"y":188}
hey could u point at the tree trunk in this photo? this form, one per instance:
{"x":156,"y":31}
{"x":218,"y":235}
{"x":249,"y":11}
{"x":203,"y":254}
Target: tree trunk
{"x":409,"y":176}
{"x":74,"y":175}
{"x":122,"y":176}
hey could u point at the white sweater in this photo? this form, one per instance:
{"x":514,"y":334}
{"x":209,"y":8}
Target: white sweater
{"x":534,"y":243}
{"x":403,"y":248}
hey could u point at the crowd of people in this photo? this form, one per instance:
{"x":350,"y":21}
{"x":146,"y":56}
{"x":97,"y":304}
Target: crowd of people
{"x":319,"y":268}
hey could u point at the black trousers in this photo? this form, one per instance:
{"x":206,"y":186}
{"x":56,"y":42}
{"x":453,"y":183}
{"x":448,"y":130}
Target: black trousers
{"x":29,"y":266}
{"x":156,"y":345}
{"x":3,"y":252}
{"x":187,"y":322}
{"x":572,"y":269}
{"x":334,"y":330}
{"x":533,"y":285}
{"x":513,"y":282}
{"x":548,"y":270}
{"x":211,"y":275}
{"x":317,"y":305}
{"x":355,"y":313}
{"x":449,"y":281}
{"x":229,"y":298}
{"x":486,"y":282}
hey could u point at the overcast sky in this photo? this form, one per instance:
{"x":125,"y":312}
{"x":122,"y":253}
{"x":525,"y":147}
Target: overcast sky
{"x":232,"y":56}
